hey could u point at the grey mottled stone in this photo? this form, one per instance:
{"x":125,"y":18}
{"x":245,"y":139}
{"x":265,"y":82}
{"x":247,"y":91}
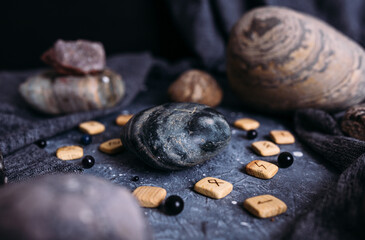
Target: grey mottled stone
{"x":174,"y":136}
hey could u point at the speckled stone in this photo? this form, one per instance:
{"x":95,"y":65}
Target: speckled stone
{"x":174,"y":136}
{"x":69,"y":207}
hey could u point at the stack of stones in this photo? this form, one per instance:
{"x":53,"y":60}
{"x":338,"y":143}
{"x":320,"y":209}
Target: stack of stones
{"x":78,"y":82}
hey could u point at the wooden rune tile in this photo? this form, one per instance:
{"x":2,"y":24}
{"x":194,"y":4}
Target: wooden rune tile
{"x":121,"y":120}
{"x":261,"y":169}
{"x":149,"y":197}
{"x":92,"y":127}
{"x":70,"y":152}
{"x":111,"y":146}
{"x":282,"y":137}
{"x":265,"y":148}
{"x":265,"y":206}
{"x":246,"y":124}
{"x":213,"y":187}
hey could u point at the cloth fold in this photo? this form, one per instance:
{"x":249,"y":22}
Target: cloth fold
{"x":340,"y":214}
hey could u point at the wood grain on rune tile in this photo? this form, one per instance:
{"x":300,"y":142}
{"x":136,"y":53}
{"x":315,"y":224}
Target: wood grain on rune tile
{"x":246,"y":124}
{"x":213,"y":187}
{"x":282,"y":137}
{"x":121,"y":120}
{"x":261,"y":169}
{"x":149,"y":197}
{"x":265,"y":148}
{"x":265,"y":206}
{"x":92,"y":127}
{"x":111,"y":146}
{"x":69,"y":152}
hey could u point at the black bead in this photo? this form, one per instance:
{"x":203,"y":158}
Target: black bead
{"x":41,"y":143}
{"x":135,"y":179}
{"x":251,"y":134}
{"x":88,"y":161}
{"x":285,"y":159}
{"x":173,"y":205}
{"x":86,"y":139}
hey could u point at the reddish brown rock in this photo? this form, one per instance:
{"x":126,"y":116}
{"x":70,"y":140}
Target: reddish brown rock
{"x":353,"y":122}
{"x":196,"y":86}
{"x":76,"y":57}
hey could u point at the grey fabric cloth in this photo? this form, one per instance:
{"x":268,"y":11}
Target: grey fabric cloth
{"x":341,"y":213}
{"x":21,"y":125}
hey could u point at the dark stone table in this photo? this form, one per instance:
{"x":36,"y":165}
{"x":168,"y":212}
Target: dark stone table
{"x":203,"y":218}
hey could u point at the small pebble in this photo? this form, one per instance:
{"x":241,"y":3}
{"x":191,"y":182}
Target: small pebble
{"x":234,"y":202}
{"x":251,"y":134}
{"x":245,"y":224}
{"x":86,"y":139}
{"x":285,"y":159}
{"x":298,"y":154}
{"x":88,"y":161}
{"x":196,"y":86}
{"x":135,"y":179}
{"x":41,"y":143}
{"x":173,"y":205}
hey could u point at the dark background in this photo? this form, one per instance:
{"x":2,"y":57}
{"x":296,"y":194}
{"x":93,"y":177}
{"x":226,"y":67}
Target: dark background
{"x":29,"y":27}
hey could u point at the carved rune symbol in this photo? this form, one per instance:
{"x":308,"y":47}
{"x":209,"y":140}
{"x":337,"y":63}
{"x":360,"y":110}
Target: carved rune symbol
{"x":212,"y":181}
{"x":262,"y":165}
{"x":259,"y":202}
{"x":267,"y":145}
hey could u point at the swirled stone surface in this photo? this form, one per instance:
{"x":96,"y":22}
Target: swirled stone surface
{"x":174,"y":136}
{"x":56,"y":94}
{"x":69,"y":207}
{"x":76,"y":57}
{"x":281,"y":60}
